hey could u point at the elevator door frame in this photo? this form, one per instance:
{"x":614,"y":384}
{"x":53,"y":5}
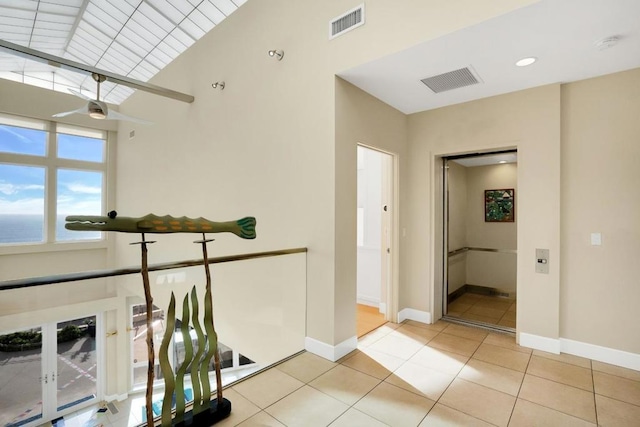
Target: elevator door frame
{"x":444,"y":199}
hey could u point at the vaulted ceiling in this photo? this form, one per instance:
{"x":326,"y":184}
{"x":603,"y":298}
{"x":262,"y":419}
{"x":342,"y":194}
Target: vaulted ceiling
{"x":133,"y":38}
{"x":137,"y":38}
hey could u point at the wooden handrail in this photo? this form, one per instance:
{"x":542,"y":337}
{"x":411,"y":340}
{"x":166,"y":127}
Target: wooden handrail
{"x":97,"y":274}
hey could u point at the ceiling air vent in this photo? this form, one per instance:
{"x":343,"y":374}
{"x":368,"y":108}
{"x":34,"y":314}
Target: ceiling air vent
{"x":451,"y":80}
{"x":346,"y":22}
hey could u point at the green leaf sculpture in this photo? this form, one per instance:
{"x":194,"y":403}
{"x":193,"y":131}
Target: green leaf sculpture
{"x":165,"y":365}
{"x":188,"y":358}
{"x":195,"y":374}
{"x":212,"y":347}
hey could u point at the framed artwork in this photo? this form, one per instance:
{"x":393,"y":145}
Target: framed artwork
{"x":499,"y":205}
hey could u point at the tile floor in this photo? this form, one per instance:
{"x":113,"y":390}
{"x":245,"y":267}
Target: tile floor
{"x":414,"y":374}
{"x":484,"y":308}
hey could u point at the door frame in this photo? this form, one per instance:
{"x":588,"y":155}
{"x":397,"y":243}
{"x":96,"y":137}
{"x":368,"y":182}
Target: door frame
{"x":440,"y":227}
{"x":100,"y":362}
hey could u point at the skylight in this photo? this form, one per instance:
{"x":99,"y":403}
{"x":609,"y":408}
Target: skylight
{"x":134,"y":38}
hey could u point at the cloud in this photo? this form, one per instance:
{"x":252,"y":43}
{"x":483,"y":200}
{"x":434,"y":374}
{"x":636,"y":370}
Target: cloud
{"x":83,"y":188}
{"x":10,"y":189}
{"x":73,"y":206}
{"x":22,"y":206}
{"x":15,"y":134}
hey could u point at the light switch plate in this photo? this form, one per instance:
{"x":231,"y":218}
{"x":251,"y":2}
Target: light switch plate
{"x":596,"y":239}
{"x":542,"y":261}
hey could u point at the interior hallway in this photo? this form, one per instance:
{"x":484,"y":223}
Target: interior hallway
{"x":413,"y":374}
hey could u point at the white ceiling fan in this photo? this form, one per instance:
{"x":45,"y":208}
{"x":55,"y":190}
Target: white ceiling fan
{"x":97,"y":109}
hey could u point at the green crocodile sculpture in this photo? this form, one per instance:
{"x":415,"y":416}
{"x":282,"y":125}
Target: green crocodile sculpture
{"x":245,"y":227}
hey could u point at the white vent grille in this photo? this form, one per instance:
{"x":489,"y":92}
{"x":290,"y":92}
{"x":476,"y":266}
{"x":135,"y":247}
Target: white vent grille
{"x":451,"y":80}
{"x":346,"y":22}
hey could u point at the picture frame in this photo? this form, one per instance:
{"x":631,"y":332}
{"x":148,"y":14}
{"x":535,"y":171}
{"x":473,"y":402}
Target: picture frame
{"x":499,"y":205}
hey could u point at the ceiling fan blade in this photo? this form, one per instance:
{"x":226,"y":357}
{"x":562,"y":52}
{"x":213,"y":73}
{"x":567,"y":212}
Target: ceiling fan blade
{"x":115,"y":115}
{"x":82,"y":110}
{"x":79,"y":95}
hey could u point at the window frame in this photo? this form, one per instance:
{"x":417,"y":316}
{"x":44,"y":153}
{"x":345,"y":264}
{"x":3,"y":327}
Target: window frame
{"x":51,"y":164}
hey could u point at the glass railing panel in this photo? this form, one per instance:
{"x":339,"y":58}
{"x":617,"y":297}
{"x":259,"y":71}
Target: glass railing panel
{"x":259,"y":310}
{"x":95,"y":343}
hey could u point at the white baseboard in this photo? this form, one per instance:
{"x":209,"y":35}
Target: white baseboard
{"x":118,"y":397}
{"x":364,"y":300}
{"x":413,"y":314}
{"x":382,"y":308}
{"x":582,"y":349}
{"x":330,"y":352}
{"x":550,"y":345}
{"x":601,"y":354}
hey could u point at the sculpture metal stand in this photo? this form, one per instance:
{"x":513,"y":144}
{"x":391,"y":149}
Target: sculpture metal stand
{"x":205,"y":411}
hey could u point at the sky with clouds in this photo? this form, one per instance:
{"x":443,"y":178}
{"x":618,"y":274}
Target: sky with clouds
{"x":22,"y":188}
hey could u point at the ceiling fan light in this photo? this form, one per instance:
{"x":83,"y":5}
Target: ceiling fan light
{"x":97,"y":115}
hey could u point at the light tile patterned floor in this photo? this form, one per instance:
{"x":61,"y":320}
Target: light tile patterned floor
{"x":429,"y":375}
{"x":495,"y":310}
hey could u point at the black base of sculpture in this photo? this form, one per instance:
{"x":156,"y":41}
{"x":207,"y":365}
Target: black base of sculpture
{"x":216,"y":413}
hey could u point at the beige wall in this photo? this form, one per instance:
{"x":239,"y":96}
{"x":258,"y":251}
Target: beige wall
{"x":268,"y":145}
{"x":491,"y":269}
{"x":529,"y":121}
{"x":600,"y":177}
{"x":362,"y":119}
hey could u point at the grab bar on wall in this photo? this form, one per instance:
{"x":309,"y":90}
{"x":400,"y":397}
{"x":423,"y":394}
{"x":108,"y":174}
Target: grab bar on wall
{"x":466,"y":249}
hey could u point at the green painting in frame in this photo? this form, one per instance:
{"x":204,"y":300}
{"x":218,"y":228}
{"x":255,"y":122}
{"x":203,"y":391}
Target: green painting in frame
{"x":499,"y":205}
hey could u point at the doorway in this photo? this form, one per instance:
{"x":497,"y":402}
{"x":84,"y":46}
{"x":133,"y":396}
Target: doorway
{"x":480,"y":239}
{"x":48,"y":371}
{"x":374,"y":238}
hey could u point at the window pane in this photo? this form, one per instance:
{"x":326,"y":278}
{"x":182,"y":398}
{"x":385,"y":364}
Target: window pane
{"x":21,"y":204}
{"x":80,"y":148}
{"x":76,"y":355}
{"x":79,"y":193}
{"x":22,"y":140}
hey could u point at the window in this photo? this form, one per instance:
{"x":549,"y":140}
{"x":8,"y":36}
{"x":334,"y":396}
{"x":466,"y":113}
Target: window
{"x":48,"y":171}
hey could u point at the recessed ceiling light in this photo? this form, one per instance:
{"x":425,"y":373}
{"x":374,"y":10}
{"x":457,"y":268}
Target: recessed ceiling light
{"x":502,"y":161}
{"x":526,"y":61}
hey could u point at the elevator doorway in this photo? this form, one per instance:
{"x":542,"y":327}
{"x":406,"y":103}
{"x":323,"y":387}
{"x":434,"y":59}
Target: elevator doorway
{"x":480,"y":239}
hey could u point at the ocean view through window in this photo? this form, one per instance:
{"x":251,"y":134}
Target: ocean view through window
{"x":48,"y":171}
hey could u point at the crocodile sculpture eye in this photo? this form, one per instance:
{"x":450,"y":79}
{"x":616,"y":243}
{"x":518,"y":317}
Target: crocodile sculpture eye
{"x":112,"y":214}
